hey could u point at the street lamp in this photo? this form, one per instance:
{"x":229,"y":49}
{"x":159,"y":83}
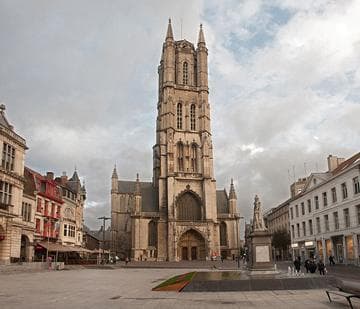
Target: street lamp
{"x":103,"y":242}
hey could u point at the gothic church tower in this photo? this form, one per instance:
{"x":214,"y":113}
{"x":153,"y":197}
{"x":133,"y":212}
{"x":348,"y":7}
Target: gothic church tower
{"x":183,"y":154}
{"x":179,"y":215}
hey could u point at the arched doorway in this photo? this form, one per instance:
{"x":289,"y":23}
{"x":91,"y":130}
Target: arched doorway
{"x":191,"y":246}
{"x":2,"y":244}
{"x":24,"y":249}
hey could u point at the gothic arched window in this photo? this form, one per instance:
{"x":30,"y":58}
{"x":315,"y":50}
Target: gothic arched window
{"x":152,"y":234}
{"x":185,"y":73}
{"x":188,"y":207}
{"x":193,"y":156}
{"x":180,"y":155}
{"x":223,"y":234}
{"x":179,"y":116}
{"x":192,"y":117}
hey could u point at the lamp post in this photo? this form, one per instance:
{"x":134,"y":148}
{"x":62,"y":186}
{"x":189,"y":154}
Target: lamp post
{"x":103,"y":242}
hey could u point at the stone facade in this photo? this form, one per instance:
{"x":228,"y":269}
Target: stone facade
{"x":12,"y":227}
{"x":180,"y":214}
{"x":325,"y":216}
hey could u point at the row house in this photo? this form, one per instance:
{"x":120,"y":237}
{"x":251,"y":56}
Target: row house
{"x":325,"y":216}
{"x":16,"y":217}
{"x":47,"y":195}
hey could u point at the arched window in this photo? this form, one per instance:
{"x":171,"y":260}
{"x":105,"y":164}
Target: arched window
{"x":179,"y":116}
{"x":180,"y":154}
{"x":192,"y":117}
{"x":188,"y":208}
{"x":152,"y":234}
{"x":185,"y":73}
{"x":193,"y":156}
{"x":223,"y":234}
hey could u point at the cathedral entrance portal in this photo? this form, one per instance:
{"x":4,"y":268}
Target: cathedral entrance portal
{"x":191,"y":246}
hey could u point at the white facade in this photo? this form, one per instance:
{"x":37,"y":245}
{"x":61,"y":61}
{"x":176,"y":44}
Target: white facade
{"x":325,"y":217}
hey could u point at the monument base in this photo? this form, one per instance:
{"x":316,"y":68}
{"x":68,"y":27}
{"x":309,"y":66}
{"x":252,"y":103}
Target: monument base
{"x":261,"y":252}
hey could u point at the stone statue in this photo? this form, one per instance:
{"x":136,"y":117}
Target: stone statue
{"x":258,"y":221}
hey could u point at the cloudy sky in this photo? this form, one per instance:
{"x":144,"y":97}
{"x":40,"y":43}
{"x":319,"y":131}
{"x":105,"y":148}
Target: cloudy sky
{"x":79,"y":80}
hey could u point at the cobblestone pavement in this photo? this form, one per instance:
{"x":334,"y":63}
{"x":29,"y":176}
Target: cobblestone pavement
{"x":131,"y":288}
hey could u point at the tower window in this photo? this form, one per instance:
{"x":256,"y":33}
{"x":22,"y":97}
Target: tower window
{"x":179,"y":116}
{"x":193,"y":158}
{"x":180,"y":151}
{"x":185,"y":73}
{"x":192,"y":117}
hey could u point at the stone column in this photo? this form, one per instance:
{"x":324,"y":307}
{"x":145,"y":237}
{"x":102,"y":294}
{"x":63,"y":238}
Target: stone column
{"x":324,"y":249}
{"x":356,"y":249}
{"x":344,"y":249}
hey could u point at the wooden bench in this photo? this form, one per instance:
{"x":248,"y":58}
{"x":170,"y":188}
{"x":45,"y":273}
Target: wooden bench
{"x":343,"y":293}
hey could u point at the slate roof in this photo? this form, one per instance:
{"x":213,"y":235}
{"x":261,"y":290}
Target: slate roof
{"x":352,"y":160}
{"x":222,"y":204}
{"x":148,"y":194}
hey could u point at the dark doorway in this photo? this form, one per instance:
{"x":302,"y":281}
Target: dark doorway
{"x":184,"y":253}
{"x":194,"y":253}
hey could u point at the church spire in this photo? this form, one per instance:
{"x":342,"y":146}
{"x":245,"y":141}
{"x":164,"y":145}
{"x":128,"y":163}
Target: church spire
{"x":201,"y":39}
{"x":232,"y":193}
{"x":169,"y":33}
{"x":137,"y":185}
{"x":114,"y":173}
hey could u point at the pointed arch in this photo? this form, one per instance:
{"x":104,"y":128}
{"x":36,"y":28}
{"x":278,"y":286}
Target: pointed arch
{"x":180,"y":156}
{"x":152,"y":234}
{"x":185,"y":73}
{"x":188,"y":207}
{"x":193,"y":117}
{"x":223,"y":234}
{"x":179,"y":113}
{"x":193,"y":157}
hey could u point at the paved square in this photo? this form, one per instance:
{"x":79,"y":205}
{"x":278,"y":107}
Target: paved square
{"x":131,"y":288}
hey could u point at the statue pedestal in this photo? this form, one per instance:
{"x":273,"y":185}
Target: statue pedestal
{"x":261,"y":252}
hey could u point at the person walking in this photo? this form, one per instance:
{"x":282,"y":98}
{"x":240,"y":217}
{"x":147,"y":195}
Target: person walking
{"x":321,"y":267}
{"x":297,"y":264}
{"x":331,"y":260}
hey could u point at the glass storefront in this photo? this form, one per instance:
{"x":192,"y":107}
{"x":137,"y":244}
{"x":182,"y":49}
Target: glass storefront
{"x":349,"y":247}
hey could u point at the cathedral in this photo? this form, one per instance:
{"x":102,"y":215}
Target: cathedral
{"x":179,"y":215}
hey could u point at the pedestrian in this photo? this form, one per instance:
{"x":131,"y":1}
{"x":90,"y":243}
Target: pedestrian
{"x":331,"y":260}
{"x":126,"y":260}
{"x":222,"y":259}
{"x":307,"y":265}
{"x":297,"y":264}
{"x":321,"y":267}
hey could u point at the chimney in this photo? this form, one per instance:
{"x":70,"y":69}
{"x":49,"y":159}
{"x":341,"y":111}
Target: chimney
{"x":50,"y":176}
{"x":334,"y":162}
{"x":64,"y":178}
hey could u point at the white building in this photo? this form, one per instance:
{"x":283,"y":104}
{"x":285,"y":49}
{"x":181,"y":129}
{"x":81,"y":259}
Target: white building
{"x":325,"y":216}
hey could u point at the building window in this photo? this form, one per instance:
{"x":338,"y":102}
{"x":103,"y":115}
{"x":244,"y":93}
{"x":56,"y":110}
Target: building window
{"x":5,"y":193}
{"x":37,"y":226}
{"x":185,"y":73}
{"x":152,"y":234}
{"x":69,"y":230}
{"x":193,"y":158}
{"x":310,"y":227}
{"x":179,"y":116}
{"x":8,"y":157}
{"x":38,"y":206}
{"x":358,"y":214}
{"x":296,"y":210}
{"x":291,"y":213}
{"x":356,"y":185}
{"x":180,"y":152}
{"x":304,"y":228}
{"x":326,"y":221}
{"x":188,"y":207}
{"x":344,"y":190}
{"x":223,"y":234}
{"x":298,"y":229}
{"x":325,"y":199}
{"x":336,"y":220}
{"x":302,"y":208}
{"x":333,"y":195}
{"x":309,"y":205}
{"x":316,"y":199}
{"x":65,"y":229}
{"x":293,"y":231}
{"x":318,"y":227}
{"x":346,"y":217}
{"x":26,"y":212}
{"x":192,"y":117}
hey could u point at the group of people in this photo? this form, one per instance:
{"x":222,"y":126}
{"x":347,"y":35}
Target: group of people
{"x":310,"y":265}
